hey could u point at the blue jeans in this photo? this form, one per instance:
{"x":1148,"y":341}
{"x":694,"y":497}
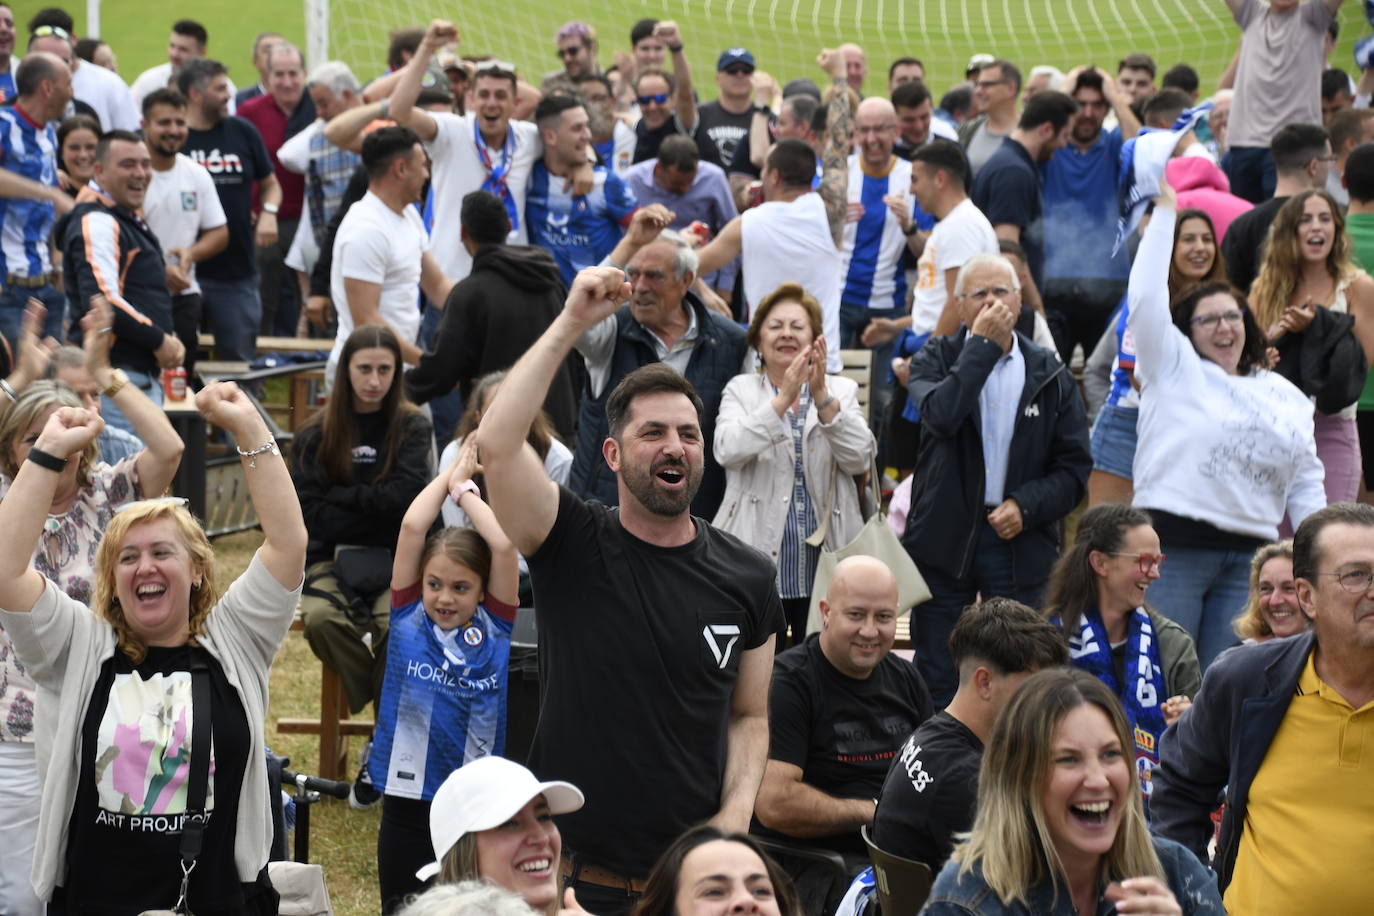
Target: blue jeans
{"x":233,"y":309}
{"x":853,"y":320}
{"x":1202,"y":591}
{"x":13,"y":300}
{"x":992,"y":576}
{"x":1251,"y":172}
{"x":150,"y":385}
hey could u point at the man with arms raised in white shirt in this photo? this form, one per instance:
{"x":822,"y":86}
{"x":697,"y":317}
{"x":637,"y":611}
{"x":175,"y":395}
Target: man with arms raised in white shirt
{"x":182,"y":208}
{"x":481,"y":151}
{"x":381,"y":252}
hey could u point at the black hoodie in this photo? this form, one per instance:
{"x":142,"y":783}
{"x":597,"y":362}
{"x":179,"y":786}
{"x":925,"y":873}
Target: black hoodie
{"x":490,"y":319}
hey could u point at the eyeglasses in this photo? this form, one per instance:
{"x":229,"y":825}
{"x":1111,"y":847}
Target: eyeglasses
{"x":738,"y":71}
{"x":1209,"y":322}
{"x":651,"y":276}
{"x":1145,"y":562}
{"x":570,"y":52}
{"x":658,"y":98}
{"x":43,"y":31}
{"x":993,"y":292}
{"x":1354,"y":581}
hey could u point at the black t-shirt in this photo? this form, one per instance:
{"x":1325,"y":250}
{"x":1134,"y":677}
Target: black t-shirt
{"x":124,"y":846}
{"x":1244,"y":239}
{"x":931,"y":792}
{"x":648,"y":141}
{"x":740,"y":163}
{"x":639,"y":651}
{"x":1007,"y":190}
{"x":842,"y":732}
{"x":235,"y":156}
{"x":719,"y":133}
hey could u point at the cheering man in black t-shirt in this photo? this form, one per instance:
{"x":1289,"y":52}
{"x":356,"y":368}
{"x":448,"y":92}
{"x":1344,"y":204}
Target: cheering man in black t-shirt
{"x":655,"y":629}
{"x":931,"y":791}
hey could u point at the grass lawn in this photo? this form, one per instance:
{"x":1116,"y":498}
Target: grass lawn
{"x":344,"y":841}
{"x":783,"y":34}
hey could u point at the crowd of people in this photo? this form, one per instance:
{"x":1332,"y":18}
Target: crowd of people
{"x":585,"y":335}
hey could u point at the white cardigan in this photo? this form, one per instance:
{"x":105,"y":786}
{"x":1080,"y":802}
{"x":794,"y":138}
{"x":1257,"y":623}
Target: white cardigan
{"x":64,"y":645}
{"x":1234,"y":451}
{"x":754,"y":446}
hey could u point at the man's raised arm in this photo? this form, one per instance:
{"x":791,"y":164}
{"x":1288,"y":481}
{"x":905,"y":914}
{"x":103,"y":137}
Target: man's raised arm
{"x":521,"y":494}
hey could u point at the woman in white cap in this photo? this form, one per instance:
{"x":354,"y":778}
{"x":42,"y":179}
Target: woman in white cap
{"x":491,"y":819}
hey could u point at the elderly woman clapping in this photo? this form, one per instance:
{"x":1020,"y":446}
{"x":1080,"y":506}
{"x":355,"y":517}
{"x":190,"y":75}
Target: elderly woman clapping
{"x":791,"y":438}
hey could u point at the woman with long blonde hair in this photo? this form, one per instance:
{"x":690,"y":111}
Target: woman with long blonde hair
{"x":1060,"y":828}
{"x":1307,"y":266}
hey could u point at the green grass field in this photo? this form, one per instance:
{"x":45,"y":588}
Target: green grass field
{"x":783,"y":34}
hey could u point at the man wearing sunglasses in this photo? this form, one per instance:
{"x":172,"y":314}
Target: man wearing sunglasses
{"x":666,"y":103}
{"x":1280,"y":726}
{"x":576,"y":47}
{"x":724,"y":123}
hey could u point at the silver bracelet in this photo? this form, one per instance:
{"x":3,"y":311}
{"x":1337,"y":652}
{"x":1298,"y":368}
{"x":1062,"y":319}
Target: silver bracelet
{"x":269,"y":446}
{"x":6,"y":387}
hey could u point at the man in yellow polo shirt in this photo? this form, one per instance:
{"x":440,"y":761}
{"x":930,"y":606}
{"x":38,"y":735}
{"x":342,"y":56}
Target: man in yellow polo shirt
{"x":1286,"y":727}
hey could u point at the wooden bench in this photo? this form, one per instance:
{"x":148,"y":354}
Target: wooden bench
{"x":857,"y":365}
{"x":333,"y":726}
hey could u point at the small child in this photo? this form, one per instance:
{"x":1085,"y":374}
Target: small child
{"x":443,"y":701}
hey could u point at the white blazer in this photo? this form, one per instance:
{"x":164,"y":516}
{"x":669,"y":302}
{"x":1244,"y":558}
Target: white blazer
{"x":755,"y":447}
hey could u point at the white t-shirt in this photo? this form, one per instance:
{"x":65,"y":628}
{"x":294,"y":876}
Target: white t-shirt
{"x":160,"y":77}
{"x":964,"y":232}
{"x":790,"y":242}
{"x":104,"y":91}
{"x":181,"y":204}
{"x":376,"y":244}
{"x":458,"y":171}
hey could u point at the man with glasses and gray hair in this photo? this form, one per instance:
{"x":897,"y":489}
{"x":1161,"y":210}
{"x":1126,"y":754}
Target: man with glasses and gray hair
{"x":1004,"y":458}
{"x":664,"y":321}
{"x":1279,"y":726}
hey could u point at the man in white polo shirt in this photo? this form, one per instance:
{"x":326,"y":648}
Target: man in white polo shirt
{"x":381,"y":252}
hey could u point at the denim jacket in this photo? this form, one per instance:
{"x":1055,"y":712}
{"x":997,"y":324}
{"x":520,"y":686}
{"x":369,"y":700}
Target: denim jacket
{"x":953,"y":895}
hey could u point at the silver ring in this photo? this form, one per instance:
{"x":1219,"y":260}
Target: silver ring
{"x":106,"y":331}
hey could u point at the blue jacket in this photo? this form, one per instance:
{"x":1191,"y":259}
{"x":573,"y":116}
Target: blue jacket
{"x":716,"y":358}
{"x":1221,"y":742}
{"x":1047,"y":467}
{"x":953,"y":895}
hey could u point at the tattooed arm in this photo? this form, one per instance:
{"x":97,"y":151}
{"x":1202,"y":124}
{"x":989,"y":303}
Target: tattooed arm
{"x":835,"y":157}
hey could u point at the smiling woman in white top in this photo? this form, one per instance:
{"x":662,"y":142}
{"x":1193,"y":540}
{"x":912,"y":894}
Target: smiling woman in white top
{"x":1225,"y":446}
{"x":791,"y":438}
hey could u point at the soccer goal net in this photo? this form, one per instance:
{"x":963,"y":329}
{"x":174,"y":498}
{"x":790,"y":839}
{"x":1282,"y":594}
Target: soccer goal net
{"x":785,"y":35}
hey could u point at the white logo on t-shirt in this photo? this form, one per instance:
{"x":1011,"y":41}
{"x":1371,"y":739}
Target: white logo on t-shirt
{"x":711,"y":632}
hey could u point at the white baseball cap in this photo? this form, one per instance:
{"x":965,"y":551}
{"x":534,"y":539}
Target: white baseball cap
{"x":484,"y":794}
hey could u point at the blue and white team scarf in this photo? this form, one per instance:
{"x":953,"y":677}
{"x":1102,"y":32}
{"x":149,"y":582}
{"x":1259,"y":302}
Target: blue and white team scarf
{"x":1141,"y":169}
{"x":1144,"y":692}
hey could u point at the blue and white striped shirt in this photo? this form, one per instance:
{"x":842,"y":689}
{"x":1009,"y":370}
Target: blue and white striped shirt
{"x":31,"y":151}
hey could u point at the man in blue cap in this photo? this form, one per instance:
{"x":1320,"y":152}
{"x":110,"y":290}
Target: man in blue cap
{"x":724,"y":123}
